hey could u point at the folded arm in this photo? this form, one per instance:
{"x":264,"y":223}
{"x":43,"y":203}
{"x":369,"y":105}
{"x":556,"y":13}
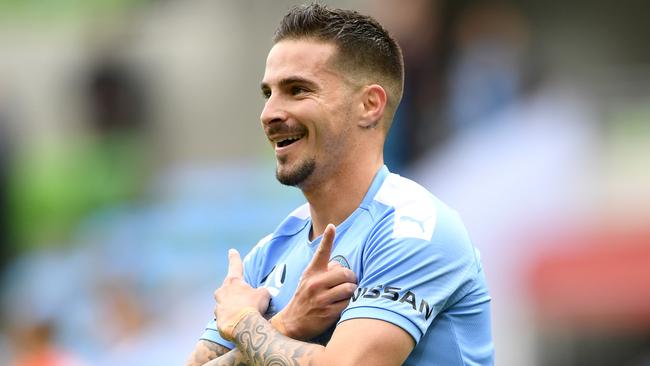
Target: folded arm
{"x":355,"y":342}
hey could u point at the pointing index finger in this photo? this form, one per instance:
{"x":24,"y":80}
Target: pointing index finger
{"x":235,"y":265}
{"x":322,"y":256}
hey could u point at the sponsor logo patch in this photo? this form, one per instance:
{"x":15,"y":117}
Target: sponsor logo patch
{"x":396,"y":294}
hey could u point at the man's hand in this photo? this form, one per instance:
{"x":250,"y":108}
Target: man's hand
{"x":236,"y":296}
{"x":322,"y":294}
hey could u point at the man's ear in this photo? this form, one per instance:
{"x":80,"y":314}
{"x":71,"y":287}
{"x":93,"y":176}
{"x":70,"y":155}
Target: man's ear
{"x":374,"y":99}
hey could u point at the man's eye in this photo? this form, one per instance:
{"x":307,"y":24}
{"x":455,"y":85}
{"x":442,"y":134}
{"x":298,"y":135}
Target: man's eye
{"x":266,"y":94}
{"x":295,"y":90}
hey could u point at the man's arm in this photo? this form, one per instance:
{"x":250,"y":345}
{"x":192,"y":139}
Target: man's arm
{"x":232,"y":358}
{"x":323,"y":292}
{"x":355,"y":342}
{"x":318,"y":302}
{"x":205,"y":351}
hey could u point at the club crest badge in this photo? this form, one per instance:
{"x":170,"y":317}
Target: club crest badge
{"x":341,"y":260}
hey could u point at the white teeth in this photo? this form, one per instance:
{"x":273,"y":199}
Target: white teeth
{"x":290,"y":138}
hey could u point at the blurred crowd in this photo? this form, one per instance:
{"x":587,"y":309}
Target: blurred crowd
{"x":131,"y":159}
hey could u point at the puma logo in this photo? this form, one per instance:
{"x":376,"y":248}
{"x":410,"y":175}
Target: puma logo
{"x":420,"y":223}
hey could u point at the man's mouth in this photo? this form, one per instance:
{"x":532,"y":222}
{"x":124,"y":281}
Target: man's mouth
{"x":287,"y":140}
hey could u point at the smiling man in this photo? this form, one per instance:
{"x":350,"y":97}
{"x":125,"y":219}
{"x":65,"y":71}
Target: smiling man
{"x":372,"y":256}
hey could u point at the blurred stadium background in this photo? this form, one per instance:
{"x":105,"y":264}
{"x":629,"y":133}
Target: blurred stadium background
{"x":131,"y":158}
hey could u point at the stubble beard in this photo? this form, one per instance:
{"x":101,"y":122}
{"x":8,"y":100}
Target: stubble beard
{"x":296,"y":177}
{"x":300,"y":175}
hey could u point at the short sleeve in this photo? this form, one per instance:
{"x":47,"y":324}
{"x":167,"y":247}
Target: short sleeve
{"x":408,"y":280}
{"x":211,"y":332}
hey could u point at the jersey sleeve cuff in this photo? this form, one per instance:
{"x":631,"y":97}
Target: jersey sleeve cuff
{"x":370,"y":312}
{"x":213,"y":335}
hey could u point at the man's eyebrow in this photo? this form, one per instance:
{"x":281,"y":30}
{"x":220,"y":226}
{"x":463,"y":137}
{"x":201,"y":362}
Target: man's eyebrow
{"x":290,"y":81}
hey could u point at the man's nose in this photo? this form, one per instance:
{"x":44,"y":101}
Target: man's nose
{"x":273,"y":111}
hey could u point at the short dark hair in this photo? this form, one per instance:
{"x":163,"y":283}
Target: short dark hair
{"x":364,"y":46}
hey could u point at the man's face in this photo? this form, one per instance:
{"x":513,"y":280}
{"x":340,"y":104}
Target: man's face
{"x":307,"y":112}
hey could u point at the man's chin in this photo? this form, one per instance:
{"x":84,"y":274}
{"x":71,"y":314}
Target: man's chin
{"x":296,"y":176}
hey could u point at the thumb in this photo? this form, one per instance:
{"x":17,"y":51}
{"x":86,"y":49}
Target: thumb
{"x":235,"y":265}
{"x":322,"y":256}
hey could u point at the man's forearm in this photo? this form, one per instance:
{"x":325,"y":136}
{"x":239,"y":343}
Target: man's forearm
{"x":262,"y":344}
{"x":232,"y":358}
{"x":205,"y":351}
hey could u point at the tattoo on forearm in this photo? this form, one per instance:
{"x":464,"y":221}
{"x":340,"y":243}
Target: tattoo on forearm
{"x":263,"y":345}
{"x":206,"y":351}
{"x":232,"y":358}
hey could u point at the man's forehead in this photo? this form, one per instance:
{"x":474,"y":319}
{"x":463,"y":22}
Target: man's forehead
{"x":306,"y":58}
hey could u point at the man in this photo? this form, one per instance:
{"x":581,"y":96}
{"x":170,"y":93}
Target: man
{"x":333,"y":81}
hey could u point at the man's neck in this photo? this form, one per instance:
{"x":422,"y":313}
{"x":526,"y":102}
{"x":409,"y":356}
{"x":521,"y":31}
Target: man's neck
{"x":335,"y":199}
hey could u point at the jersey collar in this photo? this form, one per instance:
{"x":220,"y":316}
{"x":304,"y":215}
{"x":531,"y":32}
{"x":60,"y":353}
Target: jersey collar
{"x":377,"y":182}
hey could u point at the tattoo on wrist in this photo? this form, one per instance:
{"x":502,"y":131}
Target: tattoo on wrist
{"x":227,"y":330}
{"x":263,"y":345}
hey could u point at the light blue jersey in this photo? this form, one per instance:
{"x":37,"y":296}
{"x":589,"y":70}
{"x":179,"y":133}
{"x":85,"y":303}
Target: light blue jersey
{"x":415,"y":265}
